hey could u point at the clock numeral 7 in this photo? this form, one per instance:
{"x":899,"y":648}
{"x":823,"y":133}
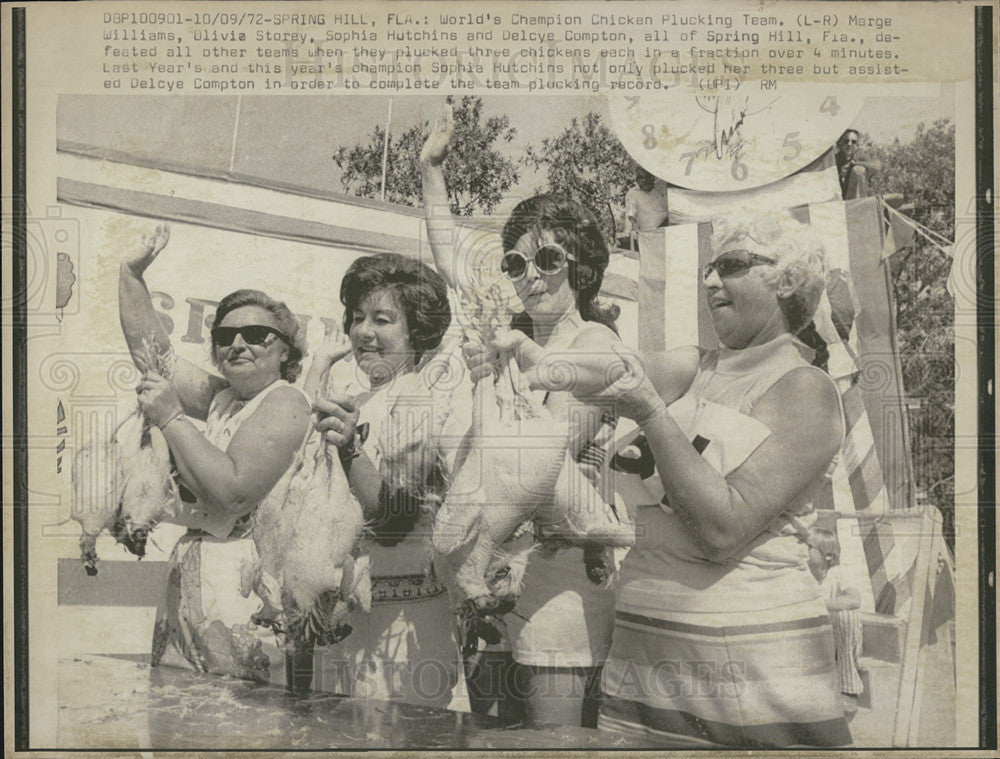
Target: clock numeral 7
{"x":690,"y":159}
{"x":830,"y":106}
{"x":794,"y":144}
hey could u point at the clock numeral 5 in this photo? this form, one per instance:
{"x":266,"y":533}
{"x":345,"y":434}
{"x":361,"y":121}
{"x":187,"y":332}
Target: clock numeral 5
{"x":794,"y":144}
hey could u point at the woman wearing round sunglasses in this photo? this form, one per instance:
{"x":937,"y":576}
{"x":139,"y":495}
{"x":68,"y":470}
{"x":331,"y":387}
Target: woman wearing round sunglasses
{"x":720,"y":635}
{"x":555,"y":256}
{"x":254,"y":423}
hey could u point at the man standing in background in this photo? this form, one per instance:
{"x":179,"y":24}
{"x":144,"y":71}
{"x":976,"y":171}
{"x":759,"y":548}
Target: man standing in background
{"x":854,"y":169}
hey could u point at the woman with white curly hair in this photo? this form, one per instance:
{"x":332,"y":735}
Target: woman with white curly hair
{"x":721,"y":637}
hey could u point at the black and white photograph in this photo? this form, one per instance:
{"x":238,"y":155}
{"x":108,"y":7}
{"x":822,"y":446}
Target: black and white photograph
{"x":551,"y":376}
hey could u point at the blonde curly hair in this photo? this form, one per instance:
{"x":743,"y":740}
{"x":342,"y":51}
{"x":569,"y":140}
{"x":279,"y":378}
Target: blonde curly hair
{"x":802,"y":269}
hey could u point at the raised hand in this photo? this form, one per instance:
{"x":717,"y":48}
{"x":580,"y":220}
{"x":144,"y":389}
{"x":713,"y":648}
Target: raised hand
{"x":150,"y":248}
{"x":332,"y":350}
{"x":158,"y":400}
{"x":435,"y":148}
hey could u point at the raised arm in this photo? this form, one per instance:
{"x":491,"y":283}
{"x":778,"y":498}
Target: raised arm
{"x":145,"y":335}
{"x":261,"y":450}
{"x":441,"y":227}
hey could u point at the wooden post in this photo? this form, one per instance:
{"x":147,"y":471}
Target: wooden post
{"x":910,"y":681}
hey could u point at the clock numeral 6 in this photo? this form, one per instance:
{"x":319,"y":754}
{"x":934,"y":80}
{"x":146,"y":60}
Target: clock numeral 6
{"x":739,"y":170}
{"x":650,"y":142}
{"x":830,"y":106}
{"x":794,"y":144}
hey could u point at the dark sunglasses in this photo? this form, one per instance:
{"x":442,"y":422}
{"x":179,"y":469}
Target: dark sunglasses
{"x":252,"y":334}
{"x":548,"y":259}
{"x":735,"y":262}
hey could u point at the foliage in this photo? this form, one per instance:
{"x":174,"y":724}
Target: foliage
{"x":587,"y":163}
{"x":476,"y":171}
{"x":923,"y":170}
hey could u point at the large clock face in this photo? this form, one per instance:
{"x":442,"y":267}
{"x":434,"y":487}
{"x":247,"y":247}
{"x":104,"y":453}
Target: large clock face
{"x":731,"y":140}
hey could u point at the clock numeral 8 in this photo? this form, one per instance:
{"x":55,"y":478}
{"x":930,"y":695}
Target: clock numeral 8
{"x":739,"y":170}
{"x":650,"y":142}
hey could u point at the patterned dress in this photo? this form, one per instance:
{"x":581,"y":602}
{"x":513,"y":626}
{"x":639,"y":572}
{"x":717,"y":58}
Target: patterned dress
{"x":203,"y":620}
{"x":738,"y":652}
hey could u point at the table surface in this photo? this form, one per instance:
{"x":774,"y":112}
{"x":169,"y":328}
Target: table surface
{"x":119,"y":702}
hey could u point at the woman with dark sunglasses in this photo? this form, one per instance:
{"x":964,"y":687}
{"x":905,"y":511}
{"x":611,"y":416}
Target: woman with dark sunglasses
{"x":554,"y":254}
{"x":721,"y":637}
{"x":254,"y":422}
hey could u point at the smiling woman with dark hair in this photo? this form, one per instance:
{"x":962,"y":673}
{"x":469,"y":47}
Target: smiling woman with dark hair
{"x":417,"y":289}
{"x":254,"y":423}
{"x":554,"y":257}
{"x":396,"y":313}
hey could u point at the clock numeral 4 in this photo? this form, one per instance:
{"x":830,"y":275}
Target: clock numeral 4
{"x":794,"y":144}
{"x":830,"y":106}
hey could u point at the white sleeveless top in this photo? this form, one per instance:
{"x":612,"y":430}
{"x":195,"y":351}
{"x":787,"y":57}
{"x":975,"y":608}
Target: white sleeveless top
{"x":666,"y":569}
{"x":225,"y":415}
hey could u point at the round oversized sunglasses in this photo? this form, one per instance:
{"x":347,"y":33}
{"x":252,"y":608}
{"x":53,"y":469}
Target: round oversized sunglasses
{"x":734,"y":262}
{"x":252,"y":334}
{"x":548,"y":259}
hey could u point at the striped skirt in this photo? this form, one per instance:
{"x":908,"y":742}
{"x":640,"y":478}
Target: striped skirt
{"x":749,"y":679}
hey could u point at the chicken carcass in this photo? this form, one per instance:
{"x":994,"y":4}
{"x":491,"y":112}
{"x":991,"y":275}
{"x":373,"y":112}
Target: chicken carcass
{"x":515,"y":465}
{"x":309,"y":572}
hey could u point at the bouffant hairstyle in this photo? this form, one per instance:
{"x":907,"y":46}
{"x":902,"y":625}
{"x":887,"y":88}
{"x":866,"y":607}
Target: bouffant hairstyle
{"x":799,"y":251}
{"x":284,"y":319}
{"x":576,"y":229}
{"x":419,"y":290}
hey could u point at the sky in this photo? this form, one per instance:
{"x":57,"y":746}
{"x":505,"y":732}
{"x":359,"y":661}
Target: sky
{"x":537,"y":117}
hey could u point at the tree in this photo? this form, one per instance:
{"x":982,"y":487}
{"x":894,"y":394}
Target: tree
{"x":477,"y":173}
{"x":587,"y":163}
{"x":923,"y":170}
